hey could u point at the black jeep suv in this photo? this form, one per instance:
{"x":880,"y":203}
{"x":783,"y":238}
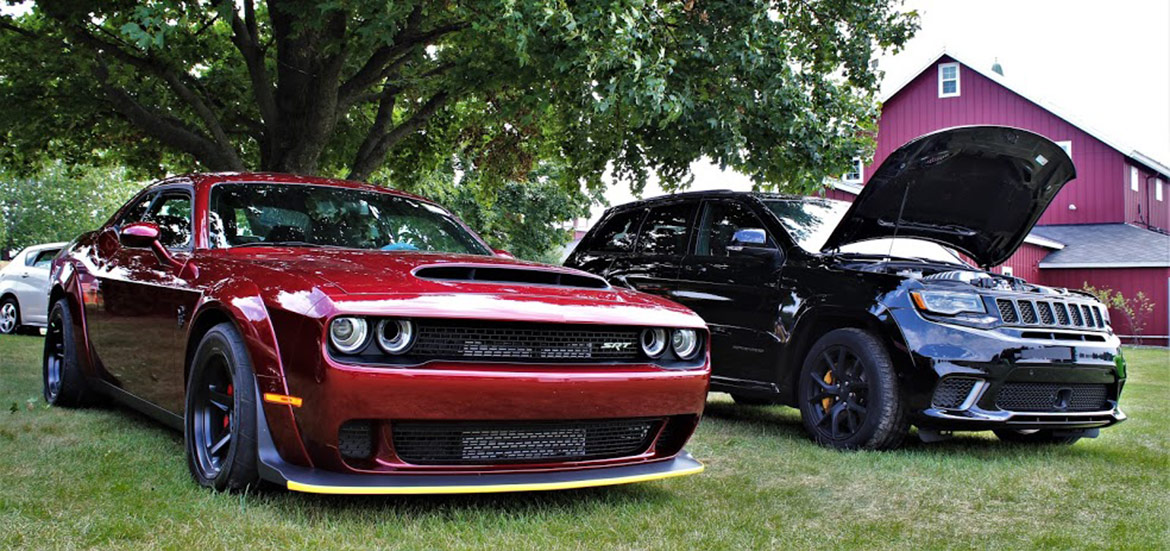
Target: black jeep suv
{"x":865,"y":315}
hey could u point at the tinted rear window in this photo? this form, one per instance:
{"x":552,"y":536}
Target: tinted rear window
{"x":617,"y":232}
{"x":666,"y":229}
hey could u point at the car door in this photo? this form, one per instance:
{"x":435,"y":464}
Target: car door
{"x":731,"y":280}
{"x":662,"y":242}
{"x":34,"y":299}
{"x":141,"y":303}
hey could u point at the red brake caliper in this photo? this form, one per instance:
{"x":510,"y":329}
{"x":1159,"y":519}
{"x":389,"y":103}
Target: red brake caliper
{"x":227,"y":418}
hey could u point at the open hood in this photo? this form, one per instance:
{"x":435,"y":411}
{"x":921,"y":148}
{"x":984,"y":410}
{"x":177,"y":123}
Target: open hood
{"x":977,"y":189}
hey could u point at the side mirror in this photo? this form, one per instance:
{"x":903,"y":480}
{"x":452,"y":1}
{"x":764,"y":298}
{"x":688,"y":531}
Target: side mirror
{"x":503,"y":254}
{"x":144,"y":235}
{"x":749,"y":237}
{"x":139,"y":235}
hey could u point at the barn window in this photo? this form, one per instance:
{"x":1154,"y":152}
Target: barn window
{"x":1066,"y":145}
{"x":857,"y":173}
{"x":1133,"y":178}
{"x":948,"y":80}
{"x":1008,"y":271}
{"x":1158,"y":190}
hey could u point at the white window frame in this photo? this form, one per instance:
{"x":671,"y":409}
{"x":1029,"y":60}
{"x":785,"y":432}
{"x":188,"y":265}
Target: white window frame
{"x":957,"y":79}
{"x":1066,"y":145}
{"x":1008,"y":271}
{"x":1158,"y":189}
{"x":1133,"y":178}
{"x":860,"y":172}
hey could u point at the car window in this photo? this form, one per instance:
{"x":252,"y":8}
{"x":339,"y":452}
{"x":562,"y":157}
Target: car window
{"x":172,"y":213}
{"x":726,"y":224}
{"x":42,"y":259}
{"x":618,"y":232}
{"x":666,"y":229}
{"x":135,"y":212}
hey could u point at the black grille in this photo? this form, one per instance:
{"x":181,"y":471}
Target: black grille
{"x":952,"y":391}
{"x":1061,"y":314}
{"x":494,"y":442}
{"x":1050,"y":313}
{"x":533,"y":342}
{"x":1027,"y":312}
{"x":1045,"y":310}
{"x":1052,"y":397}
{"x":1007,"y":311}
{"x":355,"y":440}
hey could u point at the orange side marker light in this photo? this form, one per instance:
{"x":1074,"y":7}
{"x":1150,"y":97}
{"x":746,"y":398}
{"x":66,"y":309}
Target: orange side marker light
{"x":282,"y":399}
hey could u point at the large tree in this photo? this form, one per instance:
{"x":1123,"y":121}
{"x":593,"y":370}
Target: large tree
{"x":781,"y":90}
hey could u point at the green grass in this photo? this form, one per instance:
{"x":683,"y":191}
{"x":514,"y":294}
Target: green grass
{"x":109,"y":478}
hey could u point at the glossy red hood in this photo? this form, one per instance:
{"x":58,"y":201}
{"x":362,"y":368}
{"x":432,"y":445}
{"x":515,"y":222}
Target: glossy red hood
{"x":376,"y":282}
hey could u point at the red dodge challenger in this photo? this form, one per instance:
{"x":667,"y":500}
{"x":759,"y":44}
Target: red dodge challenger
{"x":337,"y":337}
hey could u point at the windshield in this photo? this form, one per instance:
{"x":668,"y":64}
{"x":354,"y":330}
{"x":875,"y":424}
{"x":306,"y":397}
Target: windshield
{"x":810,"y":222}
{"x":311,"y":215}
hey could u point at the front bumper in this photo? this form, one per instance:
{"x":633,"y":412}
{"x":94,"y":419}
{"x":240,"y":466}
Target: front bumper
{"x":1002,"y":357}
{"x":276,"y":470}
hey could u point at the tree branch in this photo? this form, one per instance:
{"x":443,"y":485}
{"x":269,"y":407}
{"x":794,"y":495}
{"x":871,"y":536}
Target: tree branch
{"x":378,"y":143}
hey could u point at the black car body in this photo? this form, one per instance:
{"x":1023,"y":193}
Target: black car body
{"x":879,"y":325}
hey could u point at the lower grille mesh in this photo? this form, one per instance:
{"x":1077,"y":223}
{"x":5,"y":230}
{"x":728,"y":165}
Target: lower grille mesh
{"x":495,"y":442}
{"x":952,"y":391}
{"x":1052,"y":397}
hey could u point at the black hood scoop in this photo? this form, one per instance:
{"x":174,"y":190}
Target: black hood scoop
{"x":515,"y":275}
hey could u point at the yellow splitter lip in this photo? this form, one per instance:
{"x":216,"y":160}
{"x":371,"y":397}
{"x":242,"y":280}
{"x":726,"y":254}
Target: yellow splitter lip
{"x":313,"y":481}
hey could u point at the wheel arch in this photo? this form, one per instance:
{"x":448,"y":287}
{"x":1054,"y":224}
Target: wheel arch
{"x":817,"y":322}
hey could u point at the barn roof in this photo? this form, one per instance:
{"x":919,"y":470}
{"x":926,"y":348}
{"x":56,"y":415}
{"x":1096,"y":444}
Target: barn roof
{"x":1105,"y":246}
{"x":1060,"y":112}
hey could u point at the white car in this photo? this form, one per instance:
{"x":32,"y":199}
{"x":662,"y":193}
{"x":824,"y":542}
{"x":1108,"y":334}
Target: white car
{"x":24,"y":288}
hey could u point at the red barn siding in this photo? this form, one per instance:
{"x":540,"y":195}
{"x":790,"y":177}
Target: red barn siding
{"x":1153,"y":282}
{"x":839,"y":195}
{"x":917,"y":110}
{"x":1142,"y":206}
{"x":1025,"y":262}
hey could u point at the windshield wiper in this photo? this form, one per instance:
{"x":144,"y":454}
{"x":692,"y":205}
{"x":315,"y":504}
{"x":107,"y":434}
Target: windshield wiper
{"x":277,"y":244}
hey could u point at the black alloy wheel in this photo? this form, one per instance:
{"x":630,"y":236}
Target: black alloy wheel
{"x":848,"y":393}
{"x":220,"y":420}
{"x":63,"y":382}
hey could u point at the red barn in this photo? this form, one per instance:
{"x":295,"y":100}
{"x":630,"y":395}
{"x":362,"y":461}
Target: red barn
{"x":1107,"y":228}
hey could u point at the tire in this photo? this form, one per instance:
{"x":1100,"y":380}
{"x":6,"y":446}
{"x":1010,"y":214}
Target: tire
{"x":63,"y":383}
{"x":220,"y":416}
{"x":848,"y":393}
{"x":744,"y":400}
{"x":9,"y":316}
{"x":1035,"y":437}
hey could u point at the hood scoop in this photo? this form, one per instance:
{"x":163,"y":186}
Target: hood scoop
{"x":509,"y":275}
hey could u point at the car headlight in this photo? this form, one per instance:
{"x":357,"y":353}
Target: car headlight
{"x":395,"y":336}
{"x":685,"y":343}
{"x":948,"y":302}
{"x":348,"y":334}
{"x":653,"y":342}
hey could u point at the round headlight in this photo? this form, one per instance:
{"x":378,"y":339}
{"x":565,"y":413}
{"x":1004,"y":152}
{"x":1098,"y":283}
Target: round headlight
{"x":685,"y":343}
{"x":348,"y":334}
{"x":653,"y":342}
{"x":395,"y":336}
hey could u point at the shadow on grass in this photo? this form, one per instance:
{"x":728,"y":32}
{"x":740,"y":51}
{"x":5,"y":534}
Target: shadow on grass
{"x":784,"y":422}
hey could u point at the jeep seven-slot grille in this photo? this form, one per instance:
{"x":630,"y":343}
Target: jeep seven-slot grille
{"x":495,"y":442}
{"x":1050,"y":313}
{"x":524,"y":342}
{"x":1052,"y":397}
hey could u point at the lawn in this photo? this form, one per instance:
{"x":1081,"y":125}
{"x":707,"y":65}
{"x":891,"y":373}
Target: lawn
{"x":109,"y":478}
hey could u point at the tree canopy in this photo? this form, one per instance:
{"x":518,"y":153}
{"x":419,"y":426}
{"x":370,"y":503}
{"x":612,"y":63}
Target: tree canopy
{"x":780,"y":90}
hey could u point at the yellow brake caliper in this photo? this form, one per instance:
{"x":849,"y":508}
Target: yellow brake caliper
{"x":827,"y":401}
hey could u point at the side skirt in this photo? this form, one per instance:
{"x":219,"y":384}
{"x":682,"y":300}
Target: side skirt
{"x":138,"y":404}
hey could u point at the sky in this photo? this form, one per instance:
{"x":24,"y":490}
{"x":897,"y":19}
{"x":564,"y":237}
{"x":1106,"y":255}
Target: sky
{"x":1107,"y":64}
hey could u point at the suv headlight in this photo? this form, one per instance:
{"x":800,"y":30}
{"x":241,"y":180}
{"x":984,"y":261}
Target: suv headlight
{"x":948,"y":303}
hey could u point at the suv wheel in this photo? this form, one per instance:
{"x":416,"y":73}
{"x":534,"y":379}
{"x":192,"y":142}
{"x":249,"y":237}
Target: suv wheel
{"x":1034,"y":436}
{"x":848,"y":393}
